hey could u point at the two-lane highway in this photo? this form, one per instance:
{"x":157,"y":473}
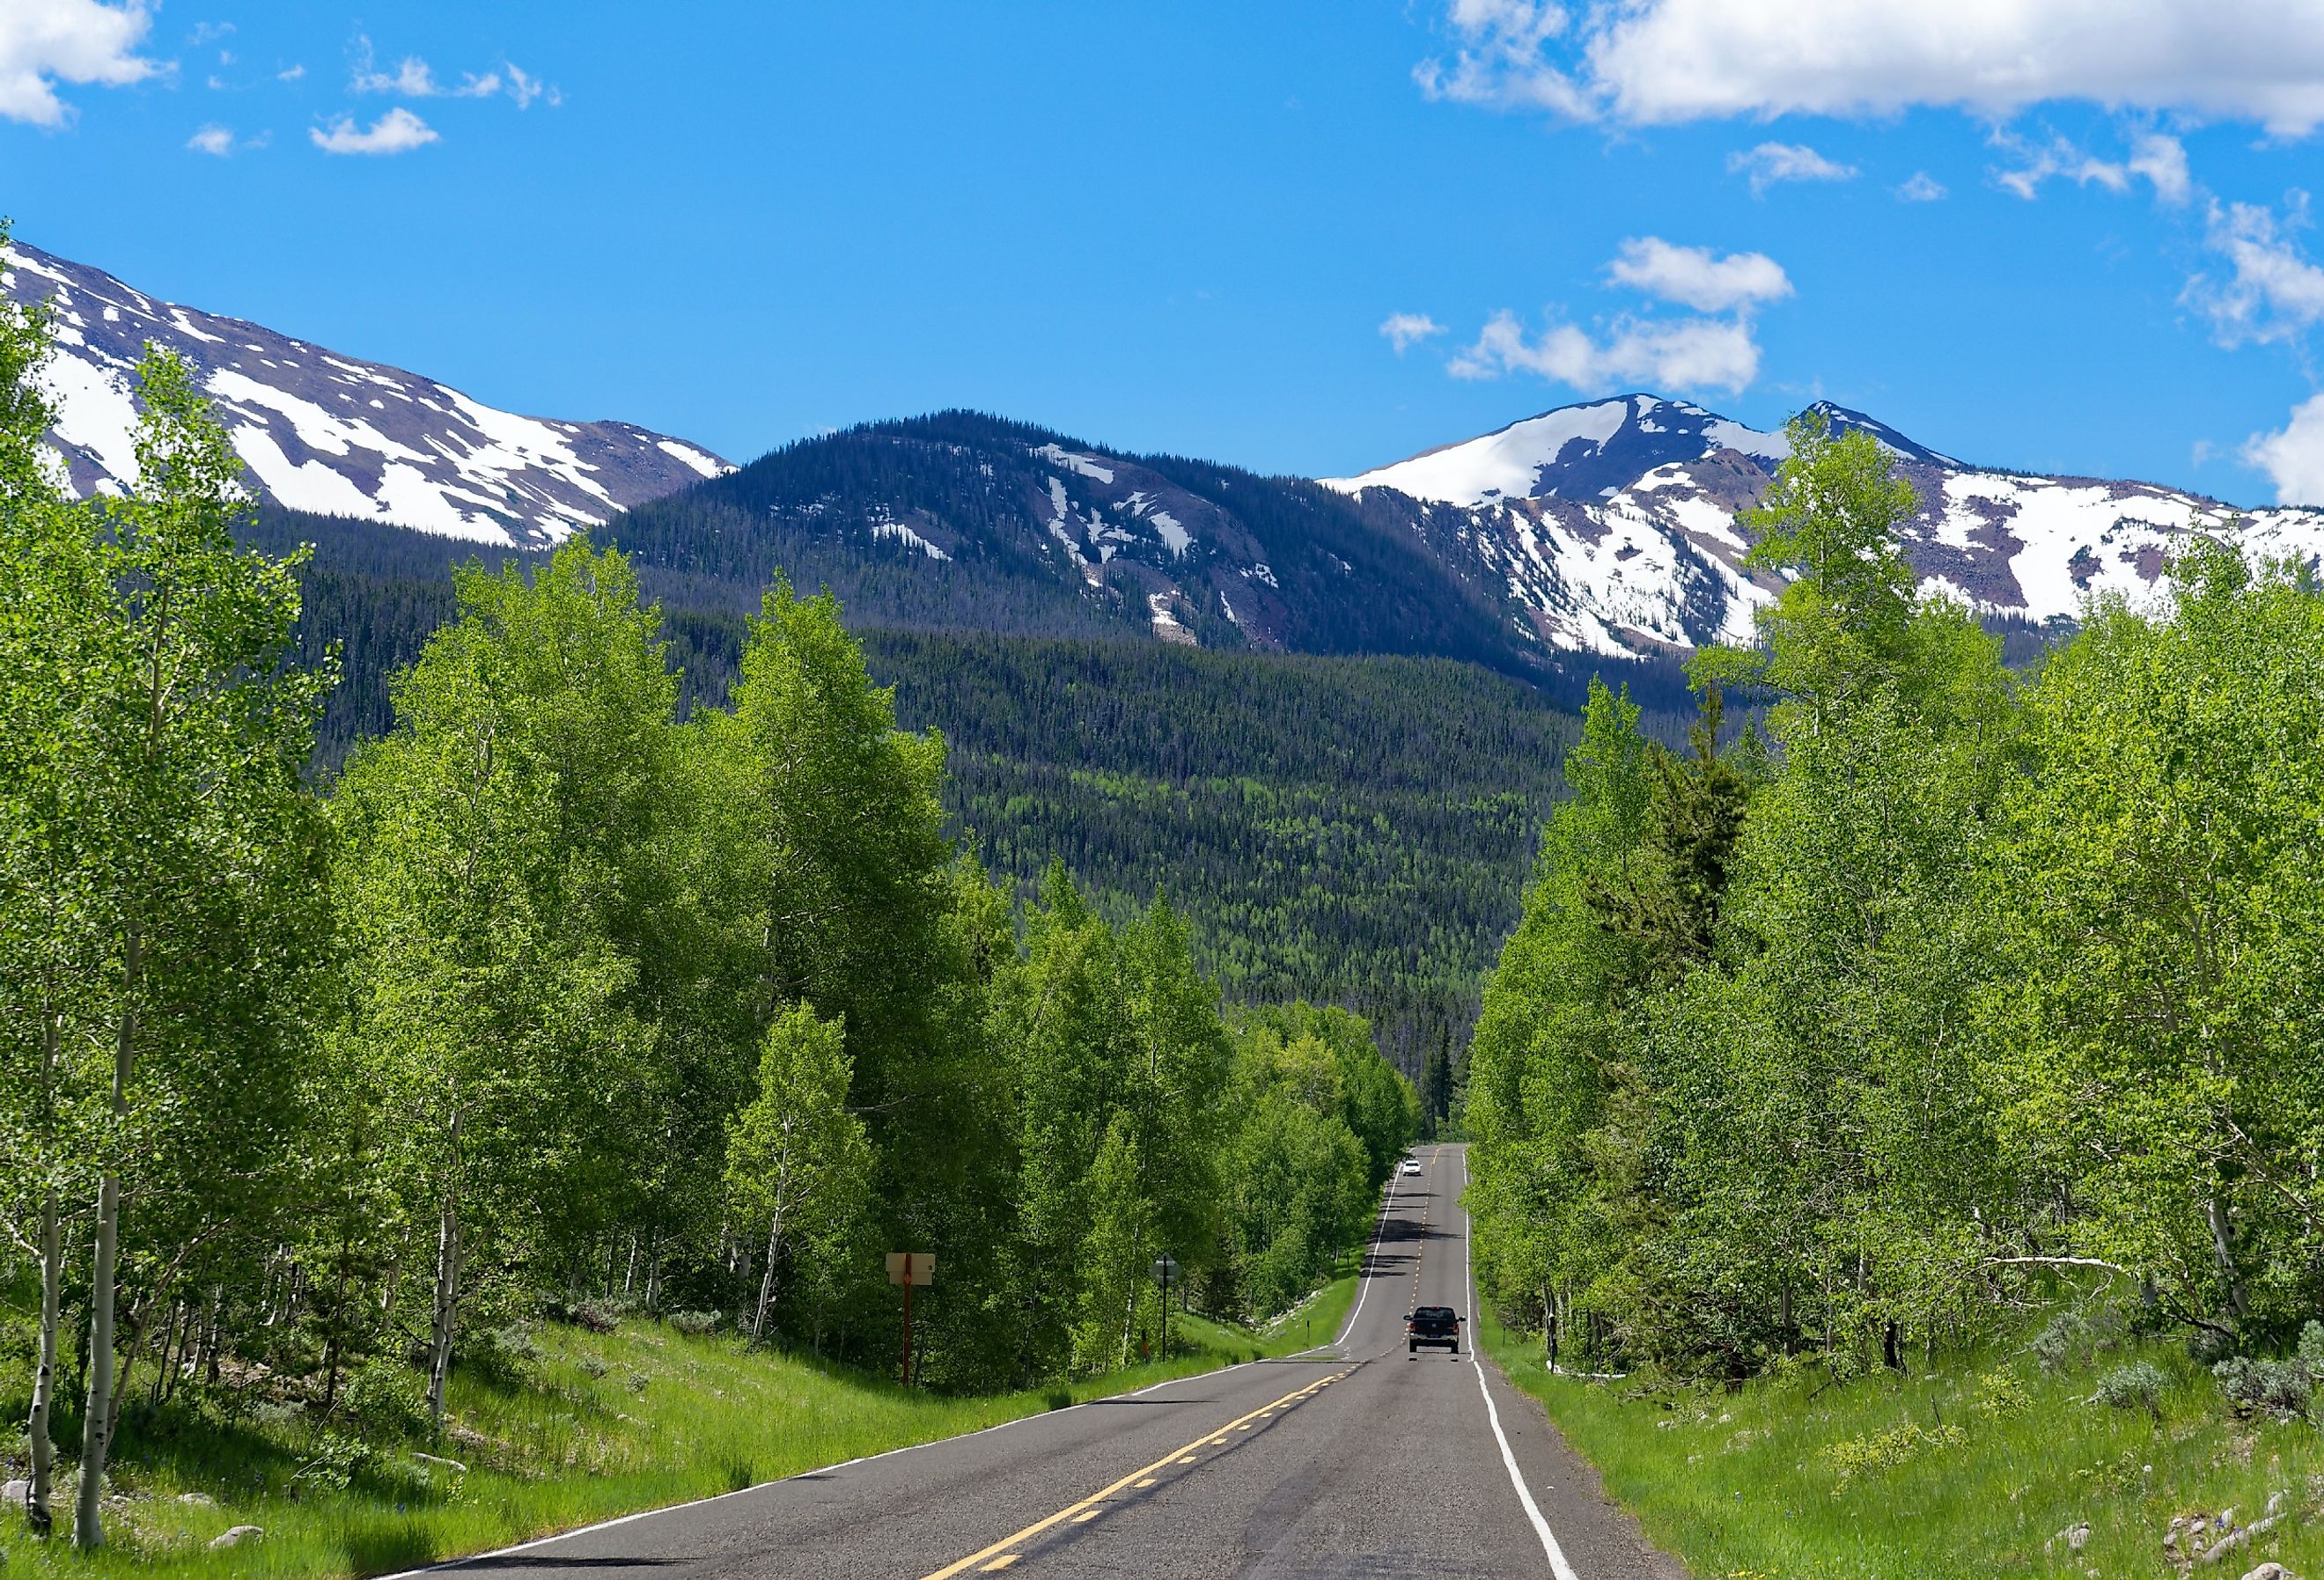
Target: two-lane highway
{"x":1353,"y":1460}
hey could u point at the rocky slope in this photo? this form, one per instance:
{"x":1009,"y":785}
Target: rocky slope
{"x":336,"y":435}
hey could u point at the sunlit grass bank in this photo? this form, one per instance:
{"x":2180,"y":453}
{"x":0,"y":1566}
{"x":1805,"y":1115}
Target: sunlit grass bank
{"x":600,"y":1425}
{"x":1975,"y":1466}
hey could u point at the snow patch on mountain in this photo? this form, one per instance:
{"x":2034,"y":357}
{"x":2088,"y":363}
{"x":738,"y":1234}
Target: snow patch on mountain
{"x":1611,"y":525}
{"x":334,"y":434}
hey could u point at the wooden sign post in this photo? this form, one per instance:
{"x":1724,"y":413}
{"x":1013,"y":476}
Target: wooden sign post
{"x":908,"y":1268}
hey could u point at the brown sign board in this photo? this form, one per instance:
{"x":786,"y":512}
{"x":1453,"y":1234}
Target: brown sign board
{"x":912,"y":1267}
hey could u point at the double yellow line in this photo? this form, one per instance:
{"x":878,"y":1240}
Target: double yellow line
{"x":999,"y":1556}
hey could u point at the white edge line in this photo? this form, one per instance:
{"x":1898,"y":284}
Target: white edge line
{"x":1556,"y":1554}
{"x":542,"y":1541}
{"x":1363,"y":1276}
{"x":1363,"y":1285}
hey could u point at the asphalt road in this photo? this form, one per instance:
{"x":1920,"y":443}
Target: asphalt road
{"x":1355,"y":1460}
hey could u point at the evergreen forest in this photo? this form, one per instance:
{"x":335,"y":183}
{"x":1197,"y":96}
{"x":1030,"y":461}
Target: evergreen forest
{"x":1344,"y":828}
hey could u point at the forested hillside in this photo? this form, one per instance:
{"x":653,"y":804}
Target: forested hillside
{"x":962,"y":521}
{"x":1351,"y":830}
{"x":555,"y":997}
{"x":1969,"y":994}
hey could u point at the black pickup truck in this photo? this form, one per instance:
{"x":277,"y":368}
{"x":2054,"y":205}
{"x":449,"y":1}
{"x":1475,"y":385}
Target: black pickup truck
{"x":1439,"y":1325}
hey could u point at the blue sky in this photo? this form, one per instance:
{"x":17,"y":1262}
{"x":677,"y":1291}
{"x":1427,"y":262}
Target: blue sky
{"x":1184,"y":226}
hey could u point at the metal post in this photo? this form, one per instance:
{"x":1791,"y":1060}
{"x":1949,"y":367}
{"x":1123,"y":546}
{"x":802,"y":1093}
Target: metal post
{"x":908,"y":1326}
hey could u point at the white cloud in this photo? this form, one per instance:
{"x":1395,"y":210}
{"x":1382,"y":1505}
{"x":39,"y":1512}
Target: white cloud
{"x":67,"y":41}
{"x":2163,"y":160}
{"x":1690,"y":354}
{"x":524,"y":88}
{"x":2275,"y":293}
{"x":1406,"y":330}
{"x":1924,"y":188}
{"x":2294,"y":457}
{"x":2159,"y":159}
{"x":1499,"y":61}
{"x":221,"y":141}
{"x":1787,"y":161}
{"x":1693,"y":277}
{"x":1669,"y":60}
{"x":396,"y":132}
{"x":413,"y":77}
{"x":290,"y":74}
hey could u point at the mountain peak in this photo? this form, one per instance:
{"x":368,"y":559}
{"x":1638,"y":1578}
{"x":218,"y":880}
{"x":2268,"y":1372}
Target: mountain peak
{"x":1844,"y":421}
{"x":1590,"y":450}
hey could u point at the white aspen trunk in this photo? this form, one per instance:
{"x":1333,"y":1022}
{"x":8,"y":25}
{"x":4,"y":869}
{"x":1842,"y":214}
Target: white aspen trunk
{"x":2215,"y":1219}
{"x":88,"y":1531}
{"x":1129,"y":1306}
{"x":446,"y":1303}
{"x":97,"y":1424}
{"x":630,"y":1275}
{"x":767,"y":1283}
{"x":38,"y":1514}
{"x":37,"y":1511}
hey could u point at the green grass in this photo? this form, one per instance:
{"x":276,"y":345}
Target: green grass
{"x":1749,"y":1485}
{"x":603,"y":1425}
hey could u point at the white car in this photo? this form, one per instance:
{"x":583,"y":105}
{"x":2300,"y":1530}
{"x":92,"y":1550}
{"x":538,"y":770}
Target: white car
{"x":1412,"y":1165}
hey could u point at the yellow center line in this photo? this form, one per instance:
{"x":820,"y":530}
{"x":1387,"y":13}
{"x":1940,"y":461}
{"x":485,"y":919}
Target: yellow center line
{"x":1073,"y":1512}
{"x":1002,"y":1561}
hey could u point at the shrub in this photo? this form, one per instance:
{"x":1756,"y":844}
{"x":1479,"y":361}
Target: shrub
{"x":2311,"y":1351}
{"x":2139,"y":1385}
{"x":502,"y":1355}
{"x":596,"y":1315}
{"x":2074,"y":1338}
{"x":386,"y":1399}
{"x":696,"y":1323}
{"x":2280,"y":1388}
{"x":1855,"y":1456}
{"x":592,"y":1367}
{"x":334,"y":1464}
{"x":2001,"y":1393}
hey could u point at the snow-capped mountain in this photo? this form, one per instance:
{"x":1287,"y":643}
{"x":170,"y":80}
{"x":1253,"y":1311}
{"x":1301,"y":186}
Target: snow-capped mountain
{"x":1609,"y":525}
{"x":333,"y":434}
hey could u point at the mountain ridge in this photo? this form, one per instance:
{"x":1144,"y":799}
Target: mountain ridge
{"x":1612,"y":521}
{"x":1599,"y":532}
{"x":332,"y":434}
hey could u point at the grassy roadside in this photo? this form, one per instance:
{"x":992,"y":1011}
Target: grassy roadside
{"x":1975,"y":1466}
{"x":600,"y":1425}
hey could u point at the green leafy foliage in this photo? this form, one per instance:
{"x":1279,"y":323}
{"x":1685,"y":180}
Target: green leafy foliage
{"x":562,"y":1000}
{"x":1961,"y":985}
